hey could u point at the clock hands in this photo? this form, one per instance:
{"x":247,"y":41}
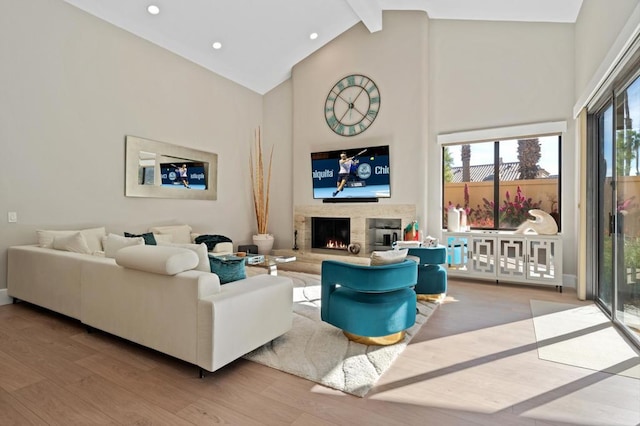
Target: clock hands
{"x":348,"y":110}
{"x":351,"y":105}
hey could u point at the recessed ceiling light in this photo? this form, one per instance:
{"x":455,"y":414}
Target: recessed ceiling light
{"x":313,"y":36}
{"x":153,"y":9}
{"x":217,"y":45}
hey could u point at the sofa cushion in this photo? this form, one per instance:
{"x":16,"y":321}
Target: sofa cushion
{"x":93,"y":237}
{"x":388,"y":257}
{"x":162,"y":260}
{"x":228,"y":269}
{"x":75,"y":242}
{"x":148,"y":237}
{"x":180,"y":233}
{"x":113,"y":242}
{"x":199,"y":249}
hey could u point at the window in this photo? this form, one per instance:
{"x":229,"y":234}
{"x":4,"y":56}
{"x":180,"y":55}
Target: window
{"x":498,"y":182}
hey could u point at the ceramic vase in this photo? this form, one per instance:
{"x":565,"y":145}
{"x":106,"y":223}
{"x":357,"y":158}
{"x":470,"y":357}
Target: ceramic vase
{"x":463,"y":220}
{"x":264,"y":243}
{"x":453,"y":220}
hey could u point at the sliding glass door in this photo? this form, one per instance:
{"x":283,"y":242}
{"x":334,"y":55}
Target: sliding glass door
{"x":606,"y":231}
{"x":619,"y":207}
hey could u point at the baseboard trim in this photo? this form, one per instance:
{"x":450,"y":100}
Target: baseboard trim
{"x":570,"y":281}
{"x":5,"y":299}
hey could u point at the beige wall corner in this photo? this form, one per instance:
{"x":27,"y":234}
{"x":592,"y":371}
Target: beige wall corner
{"x":581,"y":145}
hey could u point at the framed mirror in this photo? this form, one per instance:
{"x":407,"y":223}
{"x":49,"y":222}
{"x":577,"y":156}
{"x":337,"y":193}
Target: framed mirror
{"x":162,"y":170}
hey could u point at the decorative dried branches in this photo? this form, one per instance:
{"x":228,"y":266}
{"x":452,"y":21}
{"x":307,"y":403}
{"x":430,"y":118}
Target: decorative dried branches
{"x":260,"y":192}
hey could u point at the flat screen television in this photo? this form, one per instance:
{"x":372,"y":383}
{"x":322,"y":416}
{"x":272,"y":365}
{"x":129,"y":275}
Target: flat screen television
{"x":188,"y":175}
{"x":368,"y":176}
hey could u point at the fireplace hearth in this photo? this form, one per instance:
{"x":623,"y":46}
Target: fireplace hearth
{"x":330,"y":233}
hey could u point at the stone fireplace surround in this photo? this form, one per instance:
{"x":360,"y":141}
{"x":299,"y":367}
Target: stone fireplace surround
{"x":358,"y":213}
{"x":309,"y":260}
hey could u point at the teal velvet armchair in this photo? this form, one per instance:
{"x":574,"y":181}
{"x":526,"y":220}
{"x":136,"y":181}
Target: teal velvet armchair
{"x":432,"y":276}
{"x":371,"y":304}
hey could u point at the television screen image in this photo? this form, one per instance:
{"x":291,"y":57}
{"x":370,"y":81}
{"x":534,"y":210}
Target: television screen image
{"x":187,"y":175}
{"x":365,"y":172}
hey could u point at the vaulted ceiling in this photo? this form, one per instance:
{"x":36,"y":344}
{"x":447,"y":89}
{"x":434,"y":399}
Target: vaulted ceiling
{"x":261,"y":40}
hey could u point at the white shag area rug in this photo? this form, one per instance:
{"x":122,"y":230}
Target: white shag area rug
{"x":320,"y":352}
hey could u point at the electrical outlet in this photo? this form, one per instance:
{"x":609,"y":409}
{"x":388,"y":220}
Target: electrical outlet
{"x":12,"y":217}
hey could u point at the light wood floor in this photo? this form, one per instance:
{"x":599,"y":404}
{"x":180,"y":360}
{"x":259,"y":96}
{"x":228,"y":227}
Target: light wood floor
{"x":474,"y":363}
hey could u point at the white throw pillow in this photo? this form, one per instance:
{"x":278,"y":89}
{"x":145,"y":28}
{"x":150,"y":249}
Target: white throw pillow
{"x":45,"y":237}
{"x":113,"y":242}
{"x":93,"y":237}
{"x":407,"y":244}
{"x":163,"y":238}
{"x":199,"y":249}
{"x":181,"y":233}
{"x":73,"y":242}
{"x":388,"y":257}
{"x":163,"y":260}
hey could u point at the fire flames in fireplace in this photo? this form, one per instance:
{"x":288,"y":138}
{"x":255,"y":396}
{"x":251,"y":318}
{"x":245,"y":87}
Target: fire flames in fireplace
{"x":335,"y":244}
{"x":330,"y":233}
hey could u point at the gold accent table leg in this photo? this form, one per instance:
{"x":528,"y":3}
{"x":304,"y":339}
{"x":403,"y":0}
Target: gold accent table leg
{"x":431,"y":297}
{"x":380,"y":341}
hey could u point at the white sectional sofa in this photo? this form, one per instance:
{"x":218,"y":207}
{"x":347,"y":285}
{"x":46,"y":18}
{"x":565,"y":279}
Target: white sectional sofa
{"x":187,"y":314}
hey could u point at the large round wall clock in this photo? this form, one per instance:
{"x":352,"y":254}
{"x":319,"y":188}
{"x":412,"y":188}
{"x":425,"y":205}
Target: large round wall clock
{"x":352,"y":105}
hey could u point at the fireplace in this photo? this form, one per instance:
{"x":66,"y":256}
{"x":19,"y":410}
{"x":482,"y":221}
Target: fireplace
{"x":360,"y":223}
{"x":330,"y":232}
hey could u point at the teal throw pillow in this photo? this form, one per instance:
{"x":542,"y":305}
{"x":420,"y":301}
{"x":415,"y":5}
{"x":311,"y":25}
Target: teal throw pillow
{"x":227,"y":269}
{"x":149,"y":239}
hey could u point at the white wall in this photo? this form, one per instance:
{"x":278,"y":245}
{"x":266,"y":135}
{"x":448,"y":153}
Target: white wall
{"x":495,"y":74}
{"x":71,"y":88}
{"x":394,"y":59}
{"x":596,"y":29}
{"x":278,"y":132}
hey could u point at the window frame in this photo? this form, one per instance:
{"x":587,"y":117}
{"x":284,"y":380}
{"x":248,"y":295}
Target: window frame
{"x":502,"y":134}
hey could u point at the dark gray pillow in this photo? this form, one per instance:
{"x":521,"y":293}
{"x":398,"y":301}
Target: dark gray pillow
{"x":149,"y":239}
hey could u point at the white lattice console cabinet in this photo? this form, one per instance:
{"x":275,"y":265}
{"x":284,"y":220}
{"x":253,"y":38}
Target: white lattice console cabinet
{"x":505,"y":256}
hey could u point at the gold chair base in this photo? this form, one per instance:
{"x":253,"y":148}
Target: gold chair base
{"x":380,"y":341}
{"x":431,"y":297}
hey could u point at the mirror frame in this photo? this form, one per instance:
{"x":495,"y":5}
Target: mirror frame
{"x":135,"y":145}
